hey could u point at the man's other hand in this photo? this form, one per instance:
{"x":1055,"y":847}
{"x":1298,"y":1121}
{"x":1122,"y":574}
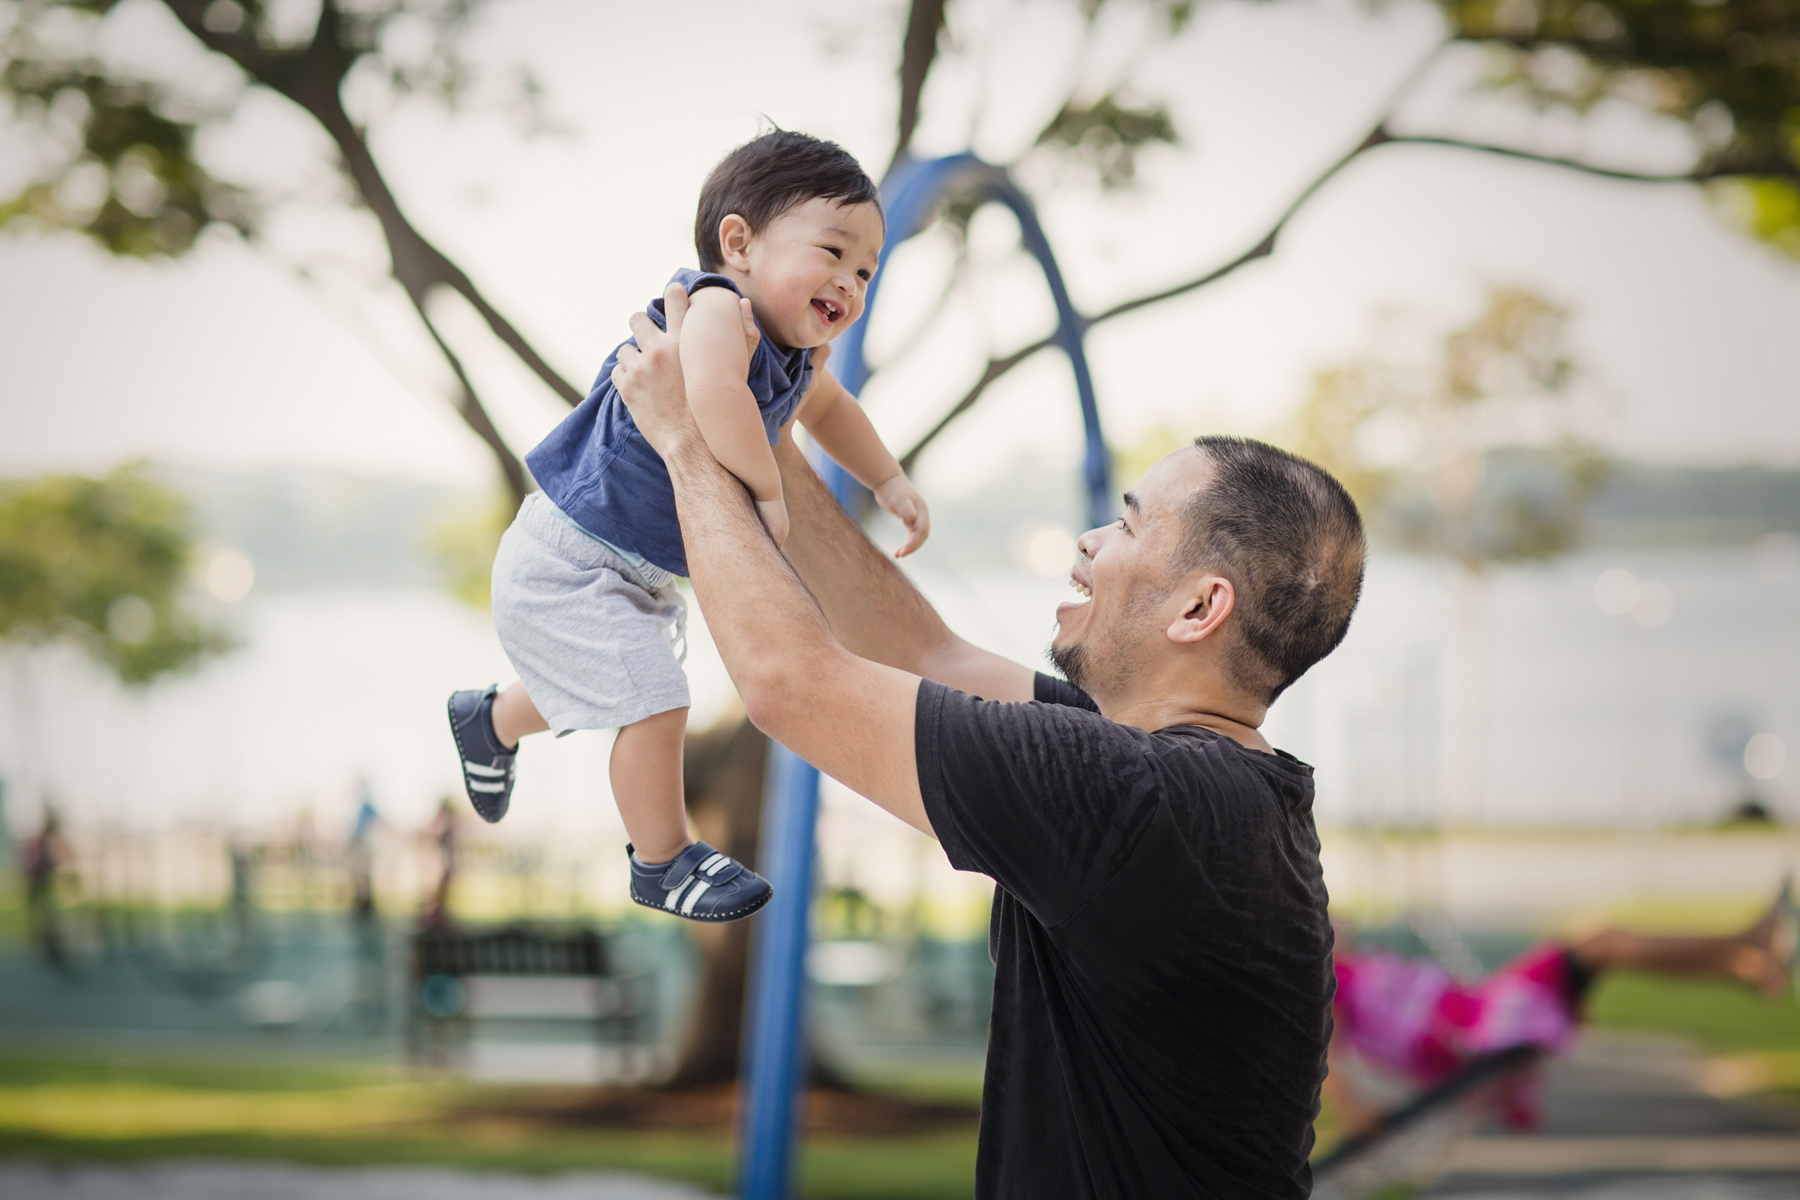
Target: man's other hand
{"x":648,"y":375}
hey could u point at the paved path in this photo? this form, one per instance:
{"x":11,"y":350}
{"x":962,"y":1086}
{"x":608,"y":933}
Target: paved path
{"x":275,"y":1181}
{"x":1623,"y":1119}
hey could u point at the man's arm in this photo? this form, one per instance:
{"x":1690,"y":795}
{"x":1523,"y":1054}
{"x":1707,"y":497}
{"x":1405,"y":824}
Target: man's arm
{"x":874,"y":609}
{"x":851,"y":718}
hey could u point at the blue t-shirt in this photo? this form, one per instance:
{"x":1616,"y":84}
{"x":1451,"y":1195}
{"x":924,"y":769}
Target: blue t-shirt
{"x":600,"y":471}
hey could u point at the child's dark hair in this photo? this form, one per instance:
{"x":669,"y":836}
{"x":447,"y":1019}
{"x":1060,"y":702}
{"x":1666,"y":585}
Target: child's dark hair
{"x":766,"y":176}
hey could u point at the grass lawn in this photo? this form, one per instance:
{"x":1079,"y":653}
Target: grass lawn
{"x":1757,"y":1041}
{"x":70,"y":1107}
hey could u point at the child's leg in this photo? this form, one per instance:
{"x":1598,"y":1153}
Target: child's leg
{"x":1750,"y":957}
{"x":669,"y":870}
{"x":646,"y":783}
{"x":515,"y":716}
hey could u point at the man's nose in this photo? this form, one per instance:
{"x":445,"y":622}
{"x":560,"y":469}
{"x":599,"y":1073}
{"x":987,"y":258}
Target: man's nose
{"x":1089,"y":543}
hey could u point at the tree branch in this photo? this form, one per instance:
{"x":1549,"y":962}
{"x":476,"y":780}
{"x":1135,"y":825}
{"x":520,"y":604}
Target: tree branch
{"x":996,"y":367}
{"x":1377,"y":136}
{"x":311,"y":78}
{"x":241,"y":46}
{"x":1772,"y":167}
{"x":924,"y":21}
{"x":469,"y":407}
{"x":1264,"y":247}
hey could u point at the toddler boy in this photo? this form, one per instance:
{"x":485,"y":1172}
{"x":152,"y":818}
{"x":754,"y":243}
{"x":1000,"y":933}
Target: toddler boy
{"x":584,"y":594}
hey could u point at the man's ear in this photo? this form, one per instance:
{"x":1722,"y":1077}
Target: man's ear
{"x":734,"y":242}
{"x":1207,"y":601}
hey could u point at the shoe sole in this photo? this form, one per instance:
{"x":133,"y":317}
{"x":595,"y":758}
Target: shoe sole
{"x":736,"y":914}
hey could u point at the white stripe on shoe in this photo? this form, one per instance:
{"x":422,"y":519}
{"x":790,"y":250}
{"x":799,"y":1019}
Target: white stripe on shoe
{"x":674,"y":897}
{"x":724,"y":861}
{"x":475,"y":768}
{"x":475,"y":786}
{"x":712,"y":863}
{"x":699,"y":890}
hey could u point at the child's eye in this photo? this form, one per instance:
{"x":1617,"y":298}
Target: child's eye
{"x":833,"y":251}
{"x":865,"y":275}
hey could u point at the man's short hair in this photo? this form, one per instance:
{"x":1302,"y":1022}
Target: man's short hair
{"x":1289,"y":538}
{"x":766,"y":176}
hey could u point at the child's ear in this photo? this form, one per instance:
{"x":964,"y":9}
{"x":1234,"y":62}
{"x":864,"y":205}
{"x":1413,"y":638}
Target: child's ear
{"x":734,"y":242}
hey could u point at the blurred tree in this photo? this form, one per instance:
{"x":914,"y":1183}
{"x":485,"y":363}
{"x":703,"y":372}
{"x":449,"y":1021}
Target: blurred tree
{"x":123,"y":164}
{"x":1479,"y":449}
{"x":1725,"y":72}
{"x":1475,"y":446}
{"x":464,"y":542}
{"x":100,"y":563}
{"x":1728,"y":70}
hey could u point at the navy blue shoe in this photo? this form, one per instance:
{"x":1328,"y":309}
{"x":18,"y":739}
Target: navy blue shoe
{"x":487,"y":766}
{"x":700,"y":884}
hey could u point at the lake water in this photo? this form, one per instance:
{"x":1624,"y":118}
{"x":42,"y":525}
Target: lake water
{"x":1516,"y":701}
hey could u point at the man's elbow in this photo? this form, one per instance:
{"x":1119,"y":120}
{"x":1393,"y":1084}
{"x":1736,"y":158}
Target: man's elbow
{"x":772,"y":693}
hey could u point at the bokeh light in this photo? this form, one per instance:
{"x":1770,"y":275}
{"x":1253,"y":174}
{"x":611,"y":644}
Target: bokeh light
{"x":1764,"y":756}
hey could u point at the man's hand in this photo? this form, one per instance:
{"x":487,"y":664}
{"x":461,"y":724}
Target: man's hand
{"x":901,"y":500}
{"x":649,"y":377}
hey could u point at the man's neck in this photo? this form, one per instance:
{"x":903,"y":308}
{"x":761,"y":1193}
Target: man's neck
{"x":1228,"y":716}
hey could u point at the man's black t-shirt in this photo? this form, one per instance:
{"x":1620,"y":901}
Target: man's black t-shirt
{"x":1163,"y":979}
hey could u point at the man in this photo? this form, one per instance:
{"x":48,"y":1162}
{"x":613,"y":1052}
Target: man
{"x":1163,"y":958}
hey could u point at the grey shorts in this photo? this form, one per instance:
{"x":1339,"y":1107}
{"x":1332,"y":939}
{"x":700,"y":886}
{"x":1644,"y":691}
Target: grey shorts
{"x":592,"y":638}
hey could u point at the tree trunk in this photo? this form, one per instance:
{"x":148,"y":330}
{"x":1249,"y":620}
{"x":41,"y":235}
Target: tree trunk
{"x":724,"y":768}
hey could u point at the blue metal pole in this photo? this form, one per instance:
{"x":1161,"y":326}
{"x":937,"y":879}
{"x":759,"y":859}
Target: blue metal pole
{"x":776,"y":1047}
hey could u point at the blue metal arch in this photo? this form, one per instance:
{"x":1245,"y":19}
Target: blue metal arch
{"x":775,"y":1042}
{"x":910,"y":193}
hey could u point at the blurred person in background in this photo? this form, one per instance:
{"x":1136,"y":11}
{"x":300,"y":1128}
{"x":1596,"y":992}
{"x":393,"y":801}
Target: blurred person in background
{"x":44,"y":854}
{"x":1411,"y":1018}
{"x":441,"y":833}
{"x":359,"y":855}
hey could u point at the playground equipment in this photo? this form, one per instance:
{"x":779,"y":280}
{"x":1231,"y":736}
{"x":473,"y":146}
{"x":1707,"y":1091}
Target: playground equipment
{"x":775,"y":1048}
{"x":1407,"y":1144}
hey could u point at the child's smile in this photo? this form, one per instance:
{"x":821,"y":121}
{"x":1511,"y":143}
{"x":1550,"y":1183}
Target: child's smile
{"x":807,"y":272}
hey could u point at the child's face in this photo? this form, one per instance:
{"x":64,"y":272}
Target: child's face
{"x":807,"y":271}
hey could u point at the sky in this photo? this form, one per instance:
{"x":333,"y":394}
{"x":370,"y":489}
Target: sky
{"x":233,"y":358}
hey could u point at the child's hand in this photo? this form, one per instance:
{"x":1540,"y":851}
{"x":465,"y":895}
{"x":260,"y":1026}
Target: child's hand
{"x":901,"y":499}
{"x":774,"y":516}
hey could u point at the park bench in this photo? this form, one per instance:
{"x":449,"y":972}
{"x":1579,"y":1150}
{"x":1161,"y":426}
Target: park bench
{"x":520,"y":974}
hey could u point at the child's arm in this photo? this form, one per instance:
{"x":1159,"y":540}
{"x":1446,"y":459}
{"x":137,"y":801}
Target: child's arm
{"x":837,"y":422}
{"x":715,"y":362}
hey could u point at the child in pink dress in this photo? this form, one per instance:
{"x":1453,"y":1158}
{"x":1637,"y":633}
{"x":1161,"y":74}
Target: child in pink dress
{"x":1413,"y":1019}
